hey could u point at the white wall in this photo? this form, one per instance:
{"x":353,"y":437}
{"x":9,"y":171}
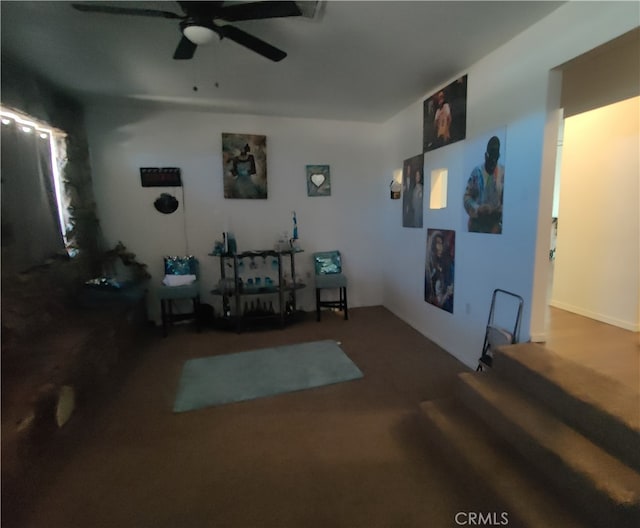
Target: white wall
{"x":511,"y":87}
{"x":124,"y":139}
{"x":598,"y":260}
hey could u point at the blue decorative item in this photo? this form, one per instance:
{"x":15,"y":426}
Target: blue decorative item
{"x":327,"y":263}
{"x":232,"y":245}
{"x":107,"y":283}
{"x":295,"y":226}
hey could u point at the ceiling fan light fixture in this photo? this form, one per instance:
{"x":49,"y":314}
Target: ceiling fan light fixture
{"x":198,"y":23}
{"x":199,"y":34}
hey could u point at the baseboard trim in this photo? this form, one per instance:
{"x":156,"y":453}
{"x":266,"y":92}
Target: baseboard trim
{"x":597,"y":316}
{"x":539,"y":338}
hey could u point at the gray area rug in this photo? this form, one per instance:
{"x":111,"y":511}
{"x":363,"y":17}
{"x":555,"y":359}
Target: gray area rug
{"x":263,"y":372}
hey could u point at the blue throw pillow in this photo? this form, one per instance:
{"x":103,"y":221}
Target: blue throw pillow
{"x":327,"y":263}
{"x":180,"y":265}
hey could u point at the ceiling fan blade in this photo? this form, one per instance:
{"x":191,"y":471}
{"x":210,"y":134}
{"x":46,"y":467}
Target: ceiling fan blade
{"x":253,"y":43}
{"x":201,"y":9}
{"x":257,"y":10}
{"x":185,"y":49}
{"x":110,"y":10}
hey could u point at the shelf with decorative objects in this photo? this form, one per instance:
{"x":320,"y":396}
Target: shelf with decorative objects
{"x":246,"y":276}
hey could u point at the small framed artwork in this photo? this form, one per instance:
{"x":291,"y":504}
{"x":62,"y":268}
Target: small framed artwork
{"x":160,"y":177}
{"x":413,"y":191}
{"x":445,"y":116}
{"x":318,"y":180}
{"x":439,"y":268}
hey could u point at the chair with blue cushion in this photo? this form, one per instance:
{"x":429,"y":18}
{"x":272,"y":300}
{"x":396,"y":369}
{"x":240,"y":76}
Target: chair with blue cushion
{"x":180,"y":283}
{"x":329,"y":276}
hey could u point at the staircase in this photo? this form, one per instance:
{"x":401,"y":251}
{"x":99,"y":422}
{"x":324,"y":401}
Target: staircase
{"x":556,"y":443}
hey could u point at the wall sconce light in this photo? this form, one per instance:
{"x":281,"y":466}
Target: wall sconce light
{"x":396,"y":184}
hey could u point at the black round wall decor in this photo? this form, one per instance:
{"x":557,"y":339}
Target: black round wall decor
{"x":166,"y":203}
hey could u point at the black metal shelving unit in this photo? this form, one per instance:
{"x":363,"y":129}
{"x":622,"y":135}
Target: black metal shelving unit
{"x":241,"y":305}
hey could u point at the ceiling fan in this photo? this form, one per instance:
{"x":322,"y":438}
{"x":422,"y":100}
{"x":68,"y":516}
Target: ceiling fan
{"x":198,"y":24}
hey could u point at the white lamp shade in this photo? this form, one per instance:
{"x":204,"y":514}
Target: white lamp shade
{"x":199,"y":34}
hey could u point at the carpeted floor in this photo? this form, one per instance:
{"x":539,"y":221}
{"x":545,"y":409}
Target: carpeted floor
{"x":346,"y":455}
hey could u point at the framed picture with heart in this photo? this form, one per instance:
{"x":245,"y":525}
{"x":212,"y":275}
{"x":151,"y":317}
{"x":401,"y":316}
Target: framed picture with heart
{"x":318,"y":180}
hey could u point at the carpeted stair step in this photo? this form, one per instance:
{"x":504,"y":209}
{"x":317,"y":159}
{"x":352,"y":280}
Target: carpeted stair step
{"x":479,"y":456}
{"x":597,"y":482}
{"x":601,"y":408}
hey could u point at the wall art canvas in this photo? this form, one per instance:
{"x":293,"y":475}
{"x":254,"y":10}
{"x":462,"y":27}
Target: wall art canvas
{"x":412,"y":191}
{"x":484,"y":189}
{"x":445,"y":116}
{"x":244,"y":164}
{"x":318,"y":180}
{"x":439,"y":269}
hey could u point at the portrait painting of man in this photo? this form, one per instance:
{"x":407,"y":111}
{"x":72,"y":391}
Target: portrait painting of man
{"x":413,"y":191}
{"x":439,"y":268}
{"x":445,"y":116}
{"x":484,"y":190}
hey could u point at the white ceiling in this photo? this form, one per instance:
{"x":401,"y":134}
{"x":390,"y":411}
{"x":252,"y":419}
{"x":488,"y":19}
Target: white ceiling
{"x":354,"y":60}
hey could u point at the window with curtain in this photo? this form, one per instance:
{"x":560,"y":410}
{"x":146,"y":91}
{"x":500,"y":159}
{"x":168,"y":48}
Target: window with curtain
{"x":33,"y":215}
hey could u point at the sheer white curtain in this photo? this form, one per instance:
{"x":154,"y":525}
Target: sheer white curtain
{"x":30,"y":221}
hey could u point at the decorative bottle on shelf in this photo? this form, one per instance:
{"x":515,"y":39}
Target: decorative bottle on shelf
{"x":283,"y":242}
{"x":294,"y":239}
{"x":295,"y":229}
{"x":227,"y":309}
